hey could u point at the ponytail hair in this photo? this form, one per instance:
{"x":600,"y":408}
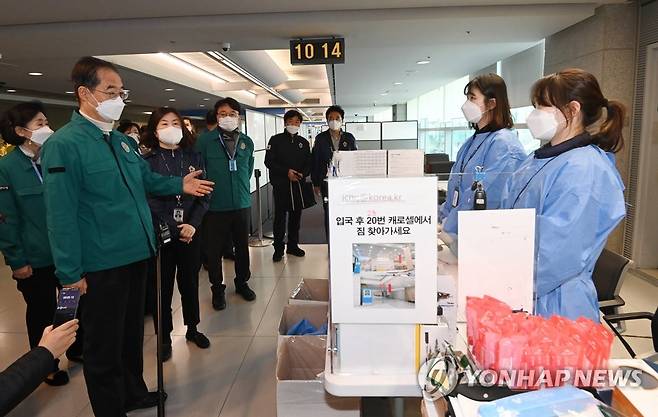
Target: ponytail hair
{"x":609,"y":137}
{"x":560,"y":89}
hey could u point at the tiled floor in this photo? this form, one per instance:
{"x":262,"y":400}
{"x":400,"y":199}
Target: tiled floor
{"x":235,"y":377}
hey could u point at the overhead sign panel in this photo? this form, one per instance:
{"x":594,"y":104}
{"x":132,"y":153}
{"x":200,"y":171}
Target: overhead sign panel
{"x":317,"y":51}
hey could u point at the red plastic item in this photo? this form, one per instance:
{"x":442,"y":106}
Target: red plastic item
{"x":503,"y":340}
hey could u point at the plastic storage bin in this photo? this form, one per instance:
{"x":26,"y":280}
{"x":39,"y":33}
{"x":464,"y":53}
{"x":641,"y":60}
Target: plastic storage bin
{"x":311,"y":291}
{"x":300,"y":384}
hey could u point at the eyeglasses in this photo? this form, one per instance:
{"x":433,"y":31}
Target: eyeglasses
{"x":114,"y":94}
{"x":232,"y":114}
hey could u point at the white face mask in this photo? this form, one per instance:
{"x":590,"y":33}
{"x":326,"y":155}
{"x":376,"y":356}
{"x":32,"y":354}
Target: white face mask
{"x":335,"y":124}
{"x":472,"y":112}
{"x":134,"y":136}
{"x":293,"y":130}
{"x":543,"y":124}
{"x":110,"y":110}
{"x":171,"y":135}
{"x":228,"y":123}
{"x":40,"y":135}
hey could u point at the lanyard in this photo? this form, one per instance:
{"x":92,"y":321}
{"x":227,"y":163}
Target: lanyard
{"x":331,"y":141}
{"x":235,"y":152}
{"x":178,"y":197}
{"x":516,"y":200}
{"x":465,"y":161}
{"x":36,"y":169}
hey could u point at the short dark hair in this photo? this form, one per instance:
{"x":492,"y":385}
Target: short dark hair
{"x":150,"y":140}
{"x":492,"y":86}
{"x":85,"y":72}
{"x":18,"y":116}
{"x":335,"y":109}
{"x":211,"y":117}
{"x":125,"y":126}
{"x":228,"y":101}
{"x":290,"y":114}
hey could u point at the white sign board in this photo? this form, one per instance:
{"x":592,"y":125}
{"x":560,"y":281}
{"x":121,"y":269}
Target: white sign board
{"x":406,"y":163}
{"x":383,"y":250}
{"x":360,"y":163}
{"x":497,"y":257}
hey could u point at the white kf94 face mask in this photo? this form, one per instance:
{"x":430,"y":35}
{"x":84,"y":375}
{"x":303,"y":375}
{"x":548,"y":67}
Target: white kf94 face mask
{"x":335,"y":124}
{"x":40,"y":135}
{"x":228,"y":123}
{"x":472,"y":112}
{"x":170,"y":135}
{"x":544,"y":123}
{"x":293,"y":130}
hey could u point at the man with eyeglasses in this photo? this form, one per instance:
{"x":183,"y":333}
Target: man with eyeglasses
{"x":101,"y":233}
{"x":229,"y":159}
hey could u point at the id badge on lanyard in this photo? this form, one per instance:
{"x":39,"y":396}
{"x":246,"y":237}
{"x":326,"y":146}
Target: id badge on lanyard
{"x":232,"y":165}
{"x":455,"y":198}
{"x":179,"y":213}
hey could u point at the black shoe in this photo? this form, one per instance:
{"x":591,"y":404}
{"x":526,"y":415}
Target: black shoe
{"x":58,"y":379}
{"x":166,"y":352}
{"x":198,"y":338}
{"x":296,"y":251}
{"x":218,"y":300}
{"x":278,"y":255}
{"x":150,"y":401}
{"x":246,"y":292}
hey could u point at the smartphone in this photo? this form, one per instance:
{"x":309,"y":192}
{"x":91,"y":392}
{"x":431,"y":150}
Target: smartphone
{"x":67,"y":306}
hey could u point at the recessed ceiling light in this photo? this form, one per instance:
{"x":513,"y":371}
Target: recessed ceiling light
{"x":397,"y":83}
{"x":11,"y":91}
{"x":423,"y":62}
{"x":147,"y":112}
{"x":35,"y":74}
{"x":206,"y":99}
{"x":127,"y":101}
{"x":383,"y":94}
{"x":169,"y":89}
{"x":172,"y":99}
{"x":70,"y":92}
{"x":202,"y":105}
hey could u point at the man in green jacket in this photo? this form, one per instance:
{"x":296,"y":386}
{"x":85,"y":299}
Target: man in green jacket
{"x":101,"y":233}
{"x":229,"y":158}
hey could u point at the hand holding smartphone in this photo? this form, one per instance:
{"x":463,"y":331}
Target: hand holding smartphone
{"x":67,"y":306}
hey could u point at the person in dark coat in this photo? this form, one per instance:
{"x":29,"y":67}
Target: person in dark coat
{"x":172,"y":153}
{"x":333,"y":139}
{"x":26,"y":374}
{"x":288,"y":157}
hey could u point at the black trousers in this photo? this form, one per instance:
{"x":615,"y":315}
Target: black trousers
{"x":114,"y":338}
{"x":40,"y":294}
{"x":294,"y":218}
{"x":216,"y":224}
{"x":179,"y":262}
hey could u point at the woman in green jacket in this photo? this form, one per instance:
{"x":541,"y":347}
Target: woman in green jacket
{"x":23,"y":231}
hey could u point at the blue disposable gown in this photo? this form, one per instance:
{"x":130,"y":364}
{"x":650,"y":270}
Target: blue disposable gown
{"x":579,"y":200}
{"x":499,"y":153}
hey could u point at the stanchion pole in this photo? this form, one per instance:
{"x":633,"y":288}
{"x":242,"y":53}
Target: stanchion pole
{"x":160,"y":370}
{"x":259,"y":241}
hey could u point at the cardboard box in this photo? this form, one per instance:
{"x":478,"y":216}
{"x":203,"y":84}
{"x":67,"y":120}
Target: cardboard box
{"x":316,"y":314}
{"x":311,"y":291}
{"x":300,"y":384}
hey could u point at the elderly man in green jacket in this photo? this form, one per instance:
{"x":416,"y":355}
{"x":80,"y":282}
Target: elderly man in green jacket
{"x":101,"y":233}
{"x":229,"y":158}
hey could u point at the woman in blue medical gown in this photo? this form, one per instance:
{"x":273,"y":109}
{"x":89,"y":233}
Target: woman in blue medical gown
{"x":573,"y":184}
{"x":494,"y":147}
